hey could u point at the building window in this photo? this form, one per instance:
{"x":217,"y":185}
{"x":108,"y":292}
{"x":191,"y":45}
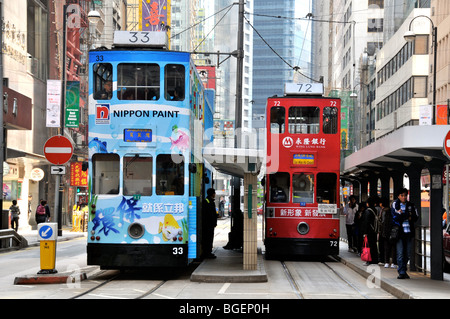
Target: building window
{"x":375,"y":25}
{"x":421,"y":44}
{"x":420,"y":86}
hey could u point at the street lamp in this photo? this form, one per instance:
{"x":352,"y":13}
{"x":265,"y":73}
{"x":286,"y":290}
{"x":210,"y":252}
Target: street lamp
{"x":94,"y":17}
{"x":410,"y":36}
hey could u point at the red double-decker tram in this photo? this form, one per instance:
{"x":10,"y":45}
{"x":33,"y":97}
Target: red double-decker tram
{"x":302,"y":173}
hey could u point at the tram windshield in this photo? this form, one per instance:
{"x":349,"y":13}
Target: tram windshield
{"x":138,"y":81}
{"x":304,"y":120}
{"x":303,"y":188}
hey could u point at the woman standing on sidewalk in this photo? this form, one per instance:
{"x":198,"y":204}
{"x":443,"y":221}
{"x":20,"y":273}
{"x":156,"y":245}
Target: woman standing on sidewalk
{"x":370,"y":228}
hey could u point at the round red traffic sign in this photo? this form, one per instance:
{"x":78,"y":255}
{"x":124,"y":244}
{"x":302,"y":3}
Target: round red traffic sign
{"x":58,"y":150}
{"x":447,"y":144}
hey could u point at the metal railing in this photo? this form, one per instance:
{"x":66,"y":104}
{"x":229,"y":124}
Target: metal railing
{"x":422,"y":248}
{"x":9,"y":238}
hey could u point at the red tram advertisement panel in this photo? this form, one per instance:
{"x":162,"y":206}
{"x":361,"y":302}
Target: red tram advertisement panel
{"x":302,"y":173}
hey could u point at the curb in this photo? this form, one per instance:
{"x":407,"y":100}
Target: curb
{"x":384,"y":284}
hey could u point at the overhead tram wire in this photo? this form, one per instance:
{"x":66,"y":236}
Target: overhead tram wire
{"x":295,"y":68}
{"x":302,"y":19}
{"x":220,"y":20}
{"x":196,"y":24}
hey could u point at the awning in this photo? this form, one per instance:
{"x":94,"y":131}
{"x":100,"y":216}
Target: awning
{"x":405,"y":146}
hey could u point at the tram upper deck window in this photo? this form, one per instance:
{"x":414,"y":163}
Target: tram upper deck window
{"x":279,"y":187}
{"x":138,"y":81}
{"x":102,"y":81}
{"x":137,"y":175}
{"x":170,"y":174}
{"x":304,"y":120}
{"x":330,"y":120}
{"x":326,"y":188}
{"x":277,"y":120}
{"x":303,"y":188}
{"x":174,"y":78}
{"x":106,"y":168}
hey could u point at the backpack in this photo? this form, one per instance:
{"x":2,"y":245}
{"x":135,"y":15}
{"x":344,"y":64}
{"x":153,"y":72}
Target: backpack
{"x":376,"y":222}
{"x":40,"y":210}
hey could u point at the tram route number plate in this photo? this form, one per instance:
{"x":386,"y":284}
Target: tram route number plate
{"x":303,"y":88}
{"x":140,"y":38}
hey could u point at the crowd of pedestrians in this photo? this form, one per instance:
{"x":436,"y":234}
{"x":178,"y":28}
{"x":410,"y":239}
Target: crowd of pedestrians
{"x":388,"y":227}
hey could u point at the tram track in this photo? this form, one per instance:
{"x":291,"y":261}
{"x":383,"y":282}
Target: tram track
{"x":296,"y":282}
{"x":116,"y":278}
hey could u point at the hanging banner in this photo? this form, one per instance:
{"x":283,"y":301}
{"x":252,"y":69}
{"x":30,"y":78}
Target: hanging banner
{"x":425,"y":115}
{"x":154,"y":15}
{"x":78,"y":177}
{"x":72,"y":116}
{"x":53,"y":103}
{"x":441,"y":114}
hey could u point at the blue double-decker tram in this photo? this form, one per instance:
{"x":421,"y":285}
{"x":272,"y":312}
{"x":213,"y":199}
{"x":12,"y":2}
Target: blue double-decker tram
{"x":146,"y":124}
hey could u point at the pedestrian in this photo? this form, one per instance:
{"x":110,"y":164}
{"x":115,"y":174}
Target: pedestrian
{"x":386,"y":226}
{"x":105,"y":93}
{"x":209,"y":222}
{"x":404,"y":214}
{"x":42,"y":212}
{"x":380,"y":242}
{"x":15,"y":212}
{"x":358,"y":227}
{"x":370,"y":228}
{"x":350,"y":211}
{"x":222,"y":207}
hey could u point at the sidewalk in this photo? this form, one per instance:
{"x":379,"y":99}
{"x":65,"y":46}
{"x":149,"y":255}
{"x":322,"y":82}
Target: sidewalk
{"x":227,"y":267}
{"x":32,"y":237}
{"x":420,"y":286}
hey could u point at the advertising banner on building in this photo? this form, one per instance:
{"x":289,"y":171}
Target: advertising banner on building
{"x":72,"y":116}
{"x":154,"y":15}
{"x":442,"y":114}
{"x":78,"y":177}
{"x":53,"y":103}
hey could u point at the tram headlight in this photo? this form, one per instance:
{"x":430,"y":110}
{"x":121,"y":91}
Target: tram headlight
{"x":136,"y":230}
{"x":303,"y":228}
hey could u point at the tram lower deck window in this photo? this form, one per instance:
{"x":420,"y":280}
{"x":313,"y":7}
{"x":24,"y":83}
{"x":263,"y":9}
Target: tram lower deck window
{"x":170,"y":174}
{"x":106,"y":168}
{"x":279,"y":187}
{"x":137,"y":175}
{"x":326,"y":188}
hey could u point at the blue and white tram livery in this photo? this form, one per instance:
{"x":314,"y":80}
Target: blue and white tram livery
{"x":145,"y":161}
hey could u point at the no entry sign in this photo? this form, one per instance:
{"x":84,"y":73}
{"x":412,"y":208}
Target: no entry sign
{"x":58,"y":150}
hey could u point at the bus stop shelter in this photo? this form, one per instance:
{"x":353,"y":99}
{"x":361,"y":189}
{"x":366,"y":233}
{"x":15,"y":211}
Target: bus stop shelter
{"x":246,"y":164}
{"x":407,"y":150}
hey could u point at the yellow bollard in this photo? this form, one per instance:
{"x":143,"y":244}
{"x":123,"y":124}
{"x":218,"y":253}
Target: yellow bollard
{"x":47,"y":234}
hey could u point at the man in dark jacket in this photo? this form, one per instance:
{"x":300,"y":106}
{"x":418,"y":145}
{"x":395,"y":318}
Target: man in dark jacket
{"x":209,"y":222}
{"x":404,"y":214}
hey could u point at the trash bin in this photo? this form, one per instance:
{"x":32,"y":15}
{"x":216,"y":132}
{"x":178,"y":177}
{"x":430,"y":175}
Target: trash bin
{"x":4,"y":220}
